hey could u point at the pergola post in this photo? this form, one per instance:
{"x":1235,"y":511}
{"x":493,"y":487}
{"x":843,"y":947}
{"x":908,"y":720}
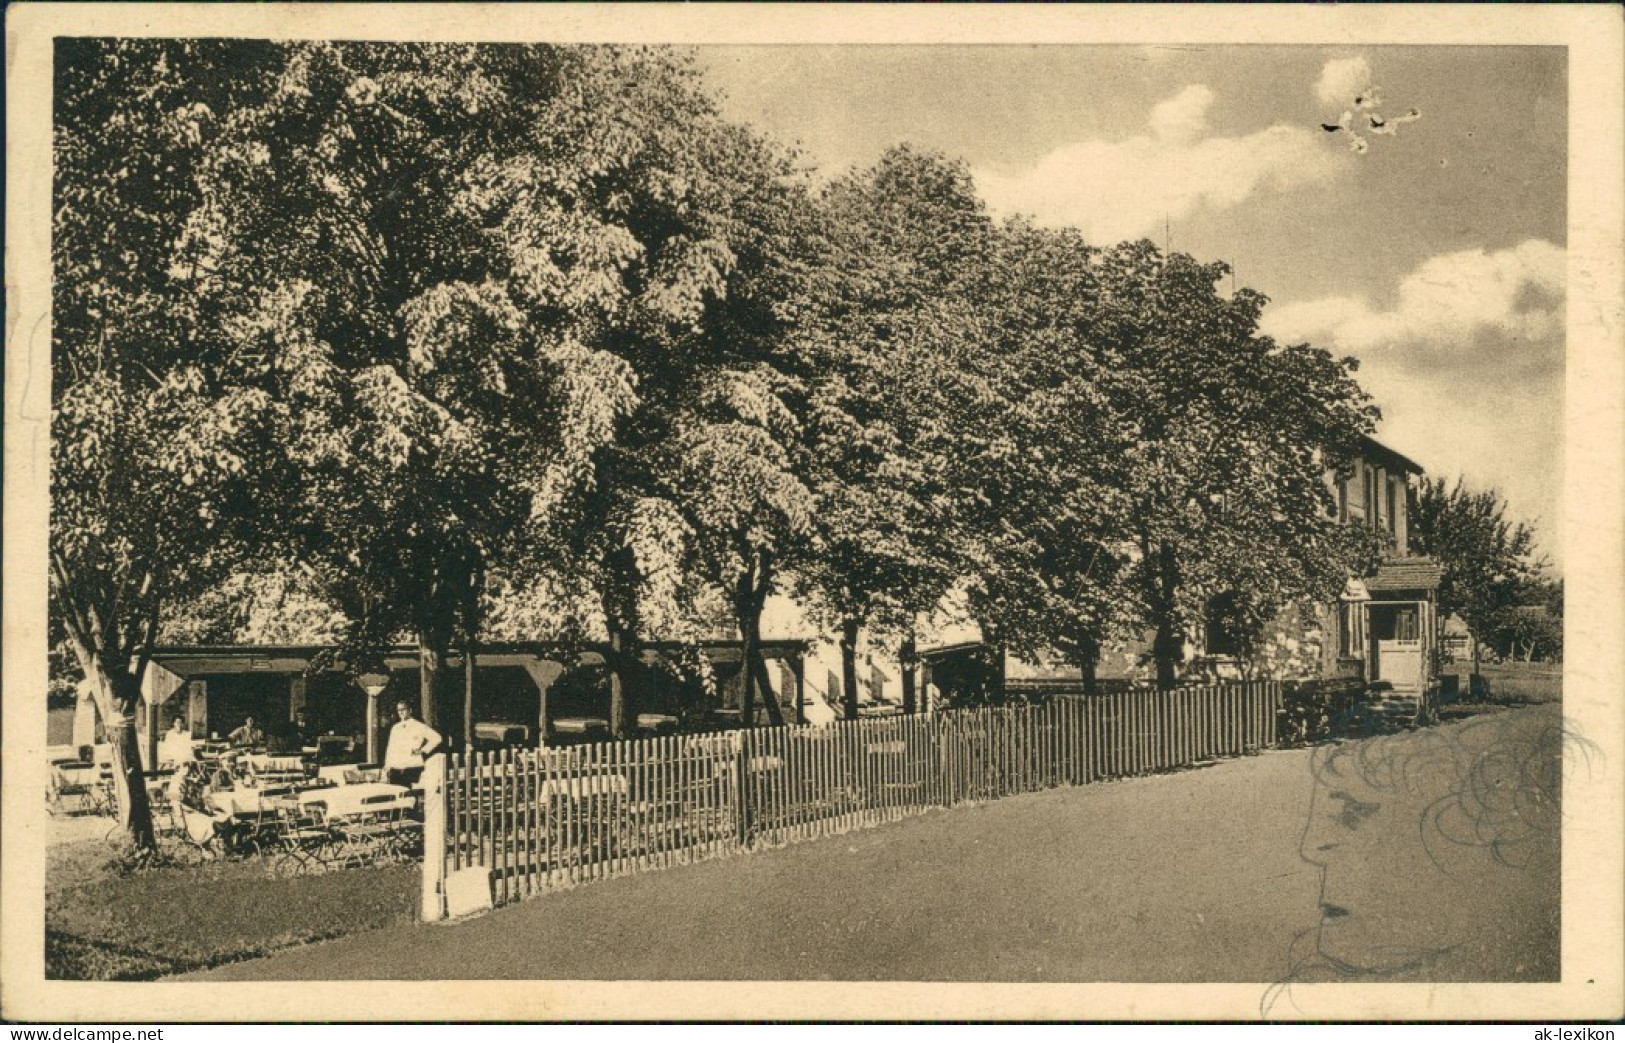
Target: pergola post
{"x":296,"y":695}
{"x":543,"y":672}
{"x":373,"y":684}
{"x":798,"y":669}
{"x":372,"y":728}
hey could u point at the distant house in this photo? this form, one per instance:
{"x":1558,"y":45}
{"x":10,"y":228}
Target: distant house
{"x":1383,"y":627}
{"x":1455,"y":639}
{"x":1388,"y":621}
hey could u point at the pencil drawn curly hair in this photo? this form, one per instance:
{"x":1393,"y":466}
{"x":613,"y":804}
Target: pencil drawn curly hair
{"x":1501,"y":792}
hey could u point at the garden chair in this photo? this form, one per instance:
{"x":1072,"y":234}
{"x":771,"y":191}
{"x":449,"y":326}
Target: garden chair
{"x":304,"y":842}
{"x":197,"y":835}
{"x":72,"y":783}
{"x":373,"y":835}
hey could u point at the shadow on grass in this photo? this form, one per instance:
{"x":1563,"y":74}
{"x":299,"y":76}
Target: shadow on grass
{"x":108,"y":922}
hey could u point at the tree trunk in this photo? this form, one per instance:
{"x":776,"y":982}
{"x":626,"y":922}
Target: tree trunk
{"x":849,"y":667}
{"x":118,"y":693}
{"x":468,"y":686}
{"x":997,"y":692}
{"x":907,"y":660}
{"x":434,"y":643}
{"x":1168,"y":646}
{"x":618,"y":598}
{"x":770,"y":702}
{"x":748,"y":637}
{"x":616,"y":663}
{"x":750,"y":594}
{"x":1089,"y":664}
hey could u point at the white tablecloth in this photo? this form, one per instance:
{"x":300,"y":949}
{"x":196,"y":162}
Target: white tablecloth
{"x":334,"y":773}
{"x":579,"y":788}
{"x":269,"y":762}
{"x":241,"y":802}
{"x":344,"y":801}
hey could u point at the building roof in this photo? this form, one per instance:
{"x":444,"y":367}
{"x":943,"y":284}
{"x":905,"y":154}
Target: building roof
{"x":191,"y":660}
{"x":1387,"y":457}
{"x":1406,"y":574}
{"x":932,"y":654}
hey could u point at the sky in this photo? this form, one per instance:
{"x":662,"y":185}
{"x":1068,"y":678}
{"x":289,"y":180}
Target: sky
{"x":1436,"y":257}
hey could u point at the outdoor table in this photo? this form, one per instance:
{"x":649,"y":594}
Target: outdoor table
{"x":264,"y":762}
{"x":656,"y":721}
{"x":346,"y":801}
{"x":580,"y":725}
{"x":250,"y":815}
{"x":80,"y":779}
{"x":584,"y":786}
{"x":244,"y":802}
{"x":335,"y":773}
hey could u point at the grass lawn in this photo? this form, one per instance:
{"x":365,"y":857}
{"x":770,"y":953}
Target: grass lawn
{"x":1524,"y":682}
{"x":1511,"y":685}
{"x":59,"y":726}
{"x":105,"y":923}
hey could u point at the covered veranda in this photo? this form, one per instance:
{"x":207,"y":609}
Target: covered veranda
{"x":531,"y":693}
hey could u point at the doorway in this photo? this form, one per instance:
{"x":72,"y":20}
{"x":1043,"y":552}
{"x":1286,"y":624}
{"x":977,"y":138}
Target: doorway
{"x":1396,"y":643}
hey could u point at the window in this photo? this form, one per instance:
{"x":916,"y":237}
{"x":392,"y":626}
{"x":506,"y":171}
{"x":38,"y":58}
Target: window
{"x":1394,"y":505}
{"x":1223,"y":636}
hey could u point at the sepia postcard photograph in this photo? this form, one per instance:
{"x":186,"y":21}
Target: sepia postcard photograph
{"x":843,"y":512}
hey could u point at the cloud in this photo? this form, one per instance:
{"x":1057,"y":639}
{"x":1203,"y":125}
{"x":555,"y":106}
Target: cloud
{"x":1182,"y":118}
{"x":1457,"y":305}
{"x":1116,"y":190}
{"x":1468,"y":367}
{"x":1341,"y":79}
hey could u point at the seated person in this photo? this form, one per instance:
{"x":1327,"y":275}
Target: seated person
{"x":175,"y":748}
{"x":250,"y":734}
{"x":292,"y":738}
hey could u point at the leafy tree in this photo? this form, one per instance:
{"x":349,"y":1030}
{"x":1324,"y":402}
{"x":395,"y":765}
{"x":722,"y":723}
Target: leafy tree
{"x":1529,"y":632}
{"x":448,"y":260}
{"x":153,"y":434}
{"x":646,"y":528}
{"x":732,"y":469}
{"x":1226,"y":439}
{"x":1052,"y":507}
{"x":1488,"y":560}
{"x":904,"y":236}
{"x":256,"y":608}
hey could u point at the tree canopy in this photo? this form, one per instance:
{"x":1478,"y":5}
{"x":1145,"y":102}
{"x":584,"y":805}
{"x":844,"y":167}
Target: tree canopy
{"x":1491,"y":565}
{"x":436,"y":339}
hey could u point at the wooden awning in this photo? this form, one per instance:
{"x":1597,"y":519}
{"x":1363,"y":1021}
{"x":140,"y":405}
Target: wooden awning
{"x":1406,"y":574}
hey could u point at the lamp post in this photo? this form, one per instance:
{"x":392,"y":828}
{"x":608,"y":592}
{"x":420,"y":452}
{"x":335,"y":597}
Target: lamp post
{"x":373,"y":684}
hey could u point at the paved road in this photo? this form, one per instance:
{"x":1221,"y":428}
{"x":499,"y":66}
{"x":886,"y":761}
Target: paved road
{"x":1190,"y":877}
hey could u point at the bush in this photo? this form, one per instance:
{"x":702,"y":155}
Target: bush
{"x":1314,"y":711}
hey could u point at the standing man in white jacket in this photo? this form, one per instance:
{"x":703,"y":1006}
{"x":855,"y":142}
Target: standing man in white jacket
{"x":410,"y":740}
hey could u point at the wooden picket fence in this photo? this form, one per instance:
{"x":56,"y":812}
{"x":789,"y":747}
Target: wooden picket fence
{"x":540,"y":820}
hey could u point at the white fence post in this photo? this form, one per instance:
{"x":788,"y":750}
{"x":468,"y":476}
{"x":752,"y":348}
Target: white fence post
{"x":433,"y":906}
